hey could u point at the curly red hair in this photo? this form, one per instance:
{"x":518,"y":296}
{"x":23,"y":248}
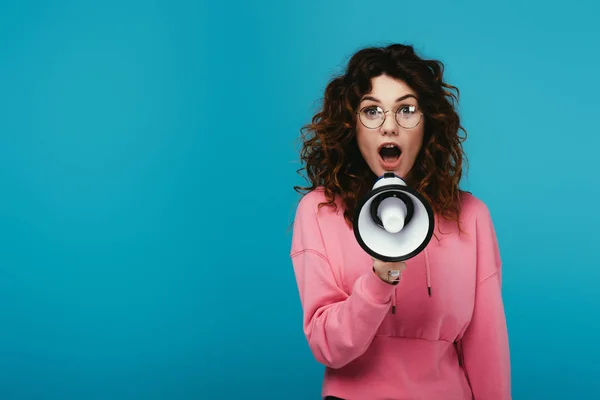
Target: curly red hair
{"x":330,"y":152}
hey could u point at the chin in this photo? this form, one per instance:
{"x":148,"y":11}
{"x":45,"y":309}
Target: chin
{"x":379,"y":171}
{"x":399,"y":170}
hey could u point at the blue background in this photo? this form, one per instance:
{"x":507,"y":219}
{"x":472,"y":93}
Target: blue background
{"x":147,"y":157}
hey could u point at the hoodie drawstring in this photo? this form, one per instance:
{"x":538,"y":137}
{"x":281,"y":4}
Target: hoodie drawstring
{"x":428,"y":272}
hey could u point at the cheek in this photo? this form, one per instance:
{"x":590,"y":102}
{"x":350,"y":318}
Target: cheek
{"x":415,"y":143}
{"x":364,"y":144}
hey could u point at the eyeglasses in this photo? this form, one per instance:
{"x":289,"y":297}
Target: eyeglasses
{"x":407,"y":117}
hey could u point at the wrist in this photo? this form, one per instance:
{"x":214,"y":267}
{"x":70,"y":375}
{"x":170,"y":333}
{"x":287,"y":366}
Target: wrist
{"x":376,"y":289}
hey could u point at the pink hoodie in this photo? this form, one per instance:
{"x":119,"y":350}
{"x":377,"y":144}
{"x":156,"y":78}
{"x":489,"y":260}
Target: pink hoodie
{"x":439,"y":334}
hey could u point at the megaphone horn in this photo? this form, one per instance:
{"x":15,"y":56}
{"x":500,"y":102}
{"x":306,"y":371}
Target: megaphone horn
{"x":396,"y":209}
{"x":393,"y":222}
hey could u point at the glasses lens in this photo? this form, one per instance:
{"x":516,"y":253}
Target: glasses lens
{"x":371,"y":117}
{"x":408,"y":116}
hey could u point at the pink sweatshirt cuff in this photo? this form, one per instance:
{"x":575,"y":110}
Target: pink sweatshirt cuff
{"x":376,"y":289}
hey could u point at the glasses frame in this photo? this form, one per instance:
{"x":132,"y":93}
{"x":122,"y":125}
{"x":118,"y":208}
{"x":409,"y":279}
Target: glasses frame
{"x":395,"y":117}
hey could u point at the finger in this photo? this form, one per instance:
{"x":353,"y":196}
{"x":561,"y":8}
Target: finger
{"x":394,"y":273}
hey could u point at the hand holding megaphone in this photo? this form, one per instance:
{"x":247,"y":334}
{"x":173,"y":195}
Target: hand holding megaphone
{"x":388,"y":271}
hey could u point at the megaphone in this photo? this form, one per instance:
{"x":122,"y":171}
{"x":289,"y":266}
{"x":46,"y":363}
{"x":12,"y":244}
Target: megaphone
{"x":393,"y":222}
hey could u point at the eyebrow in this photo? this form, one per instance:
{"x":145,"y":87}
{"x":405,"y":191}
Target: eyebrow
{"x":397,"y":100}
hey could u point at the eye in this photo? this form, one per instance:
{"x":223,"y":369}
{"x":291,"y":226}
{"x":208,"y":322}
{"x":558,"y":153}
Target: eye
{"x":372,"y":112}
{"x":407,"y":111}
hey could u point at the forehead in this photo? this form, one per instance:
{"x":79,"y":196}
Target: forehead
{"x":387,"y":89}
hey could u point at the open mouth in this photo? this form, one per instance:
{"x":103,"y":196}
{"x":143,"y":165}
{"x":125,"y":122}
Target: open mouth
{"x":390,"y":153}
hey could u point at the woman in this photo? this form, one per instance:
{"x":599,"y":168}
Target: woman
{"x":432,"y":327}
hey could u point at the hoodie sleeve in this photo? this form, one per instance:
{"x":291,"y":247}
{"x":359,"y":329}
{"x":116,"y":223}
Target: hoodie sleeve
{"x":338,"y":326}
{"x":485,"y":347}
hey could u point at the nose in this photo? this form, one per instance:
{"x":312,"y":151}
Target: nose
{"x":389,"y":126}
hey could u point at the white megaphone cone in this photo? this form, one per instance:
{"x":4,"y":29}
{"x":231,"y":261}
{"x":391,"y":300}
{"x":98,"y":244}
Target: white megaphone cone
{"x":393,"y":222}
{"x":392,"y":212}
